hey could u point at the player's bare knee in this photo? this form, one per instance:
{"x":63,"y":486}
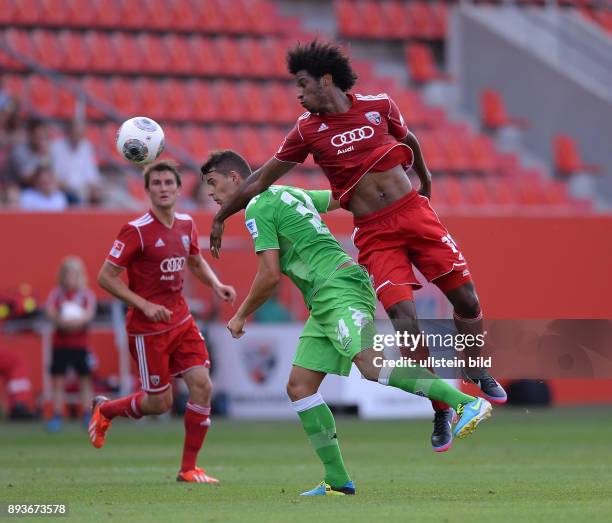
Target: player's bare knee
{"x":364,"y":362}
{"x":466,"y":302}
{"x":200,"y":391}
{"x":297,"y":391}
{"x":159,"y":403}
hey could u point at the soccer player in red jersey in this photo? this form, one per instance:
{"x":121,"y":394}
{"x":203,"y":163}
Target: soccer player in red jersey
{"x":163,"y":337}
{"x":364,"y":147}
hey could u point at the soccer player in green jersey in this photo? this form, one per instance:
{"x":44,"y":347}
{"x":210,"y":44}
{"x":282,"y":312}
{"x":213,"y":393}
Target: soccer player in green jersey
{"x":291,"y":238}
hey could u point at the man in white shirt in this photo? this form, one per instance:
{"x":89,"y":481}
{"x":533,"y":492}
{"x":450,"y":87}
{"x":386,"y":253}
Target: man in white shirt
{"x":74,"y":164}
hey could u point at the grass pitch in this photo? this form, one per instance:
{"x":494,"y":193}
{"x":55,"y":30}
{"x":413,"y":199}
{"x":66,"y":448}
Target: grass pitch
{"x":519,"y":466}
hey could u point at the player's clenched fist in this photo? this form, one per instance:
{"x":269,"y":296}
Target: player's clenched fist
{"x":157,"y":313}
{"x":225,"y":292}
{"x":236,"y":326}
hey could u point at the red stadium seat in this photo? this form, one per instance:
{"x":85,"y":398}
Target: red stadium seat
{"x":54,"y":12}
{"x":567,"y":157}
{"x":204,"y":103}
{"x":224,"y":137}
{"x":421,"y":18}
{"x":256,"y":110}
{"x":231,"y":57}
{"x":125,"y":98}
{"x":248,"y":142}
{"x":77,"y":16}
{"x":66,"y":102}
{"x":159,"y":14}
{"x":229,"y":101}
{"x":154,"y":57}
{"x":454,"y":141}
{"x":77,"y":51}
{"x":98,"y":89}
{"x":19,"y":41}
{"x":198,"y":141}
{"x":28,"y":12}
{"x":153,"y":99}
{"x":47,"y":52}
{"x":205,"y":60}
{"x":184,"y":11}
{"x":421,"y":64}
{"x":208,"y":16}
{"x":349,"y":18}
{"x":282,"y":102}
{"x":372,"y":13}
{"x":483,"y":154}
{"x":259,"y":61}
{"x":454,"y":192}
{"x":127,"y":52}
{"x":502,"y":191}
{"x":234,"y":16}
{"x":432,"y":151}
{"x":180,"y":59}
{"x":476,"y":191}
{"x":176,"y":98}
{"x":493,"y":113}
{"x":131,"y":16}
{"x":99,"y":49}
{"x":42,"y":95}
{"x":396,"y":20}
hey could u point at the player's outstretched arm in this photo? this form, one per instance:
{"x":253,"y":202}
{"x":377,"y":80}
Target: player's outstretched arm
{"x":258,"y":182}
{"x":203,"y":272}
{"x":267,"y":278}
{"x":109,"y":278}
{"x":419,"y":165}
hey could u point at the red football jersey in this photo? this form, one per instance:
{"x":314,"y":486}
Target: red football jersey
{"x":348,"y":145}
{"x":85,"y":298}
{"x":155,"y":257}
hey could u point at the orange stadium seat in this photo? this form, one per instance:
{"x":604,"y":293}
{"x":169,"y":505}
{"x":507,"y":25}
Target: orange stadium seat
{"x":432,"y":151}
{"x":483,"y":154}
{"x":372,"y":13}
{"x":502,"y":191}
{"x":454,"y":141}
{"x":476,"y":191}
{"x":455,"y":195}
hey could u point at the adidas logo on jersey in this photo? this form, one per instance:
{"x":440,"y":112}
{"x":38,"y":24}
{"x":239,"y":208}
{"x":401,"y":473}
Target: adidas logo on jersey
{"x":159,"y":243}
{"x":322,"y":127}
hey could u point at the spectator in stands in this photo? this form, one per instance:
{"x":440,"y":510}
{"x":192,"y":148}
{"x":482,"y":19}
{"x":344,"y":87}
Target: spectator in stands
{"x":114,"y":194}
{"x":71,"y":307}
{"x":44,"y":195}
{"x":10,"y":127}
{"x":26,"y":157}
{"x":74,"y":164}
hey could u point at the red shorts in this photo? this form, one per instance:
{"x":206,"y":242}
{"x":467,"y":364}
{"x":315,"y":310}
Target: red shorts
{"x":160,"y":356}
{"x":408,"y":232}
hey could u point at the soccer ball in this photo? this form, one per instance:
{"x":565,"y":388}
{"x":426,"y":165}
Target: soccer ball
{"x":140,"y":140}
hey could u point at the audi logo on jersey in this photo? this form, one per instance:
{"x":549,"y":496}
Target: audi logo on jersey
{"x":175,"y":264}
{"x":354,"y":135}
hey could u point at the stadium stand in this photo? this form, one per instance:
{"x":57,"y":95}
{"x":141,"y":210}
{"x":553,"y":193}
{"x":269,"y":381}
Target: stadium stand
{"x":215,"y":79}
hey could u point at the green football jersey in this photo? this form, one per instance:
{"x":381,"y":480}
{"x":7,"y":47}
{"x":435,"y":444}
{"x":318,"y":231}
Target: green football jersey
{"x":288,"y":219}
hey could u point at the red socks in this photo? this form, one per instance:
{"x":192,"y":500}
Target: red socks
{"x":197,"y":421}
{"x":127,"y":407}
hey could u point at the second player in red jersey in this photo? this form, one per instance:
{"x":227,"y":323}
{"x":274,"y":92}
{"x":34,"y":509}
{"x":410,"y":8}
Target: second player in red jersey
{"x":164,"y":340}
{"x":363,"y":146}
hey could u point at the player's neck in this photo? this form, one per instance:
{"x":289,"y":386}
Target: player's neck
{"x":164,"y":215}
{"x":338,"y":102}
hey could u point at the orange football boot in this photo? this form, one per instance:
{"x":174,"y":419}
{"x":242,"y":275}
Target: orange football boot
{"x":197,"y":475}
{"x":99,"y":423}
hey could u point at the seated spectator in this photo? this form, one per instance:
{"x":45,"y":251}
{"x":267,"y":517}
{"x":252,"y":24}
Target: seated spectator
{"x":44,"y":195}
{"x":74,"y":164}
{"x":113,"y":193}
{"x":10,"y":134}
{"x":26,"y":157}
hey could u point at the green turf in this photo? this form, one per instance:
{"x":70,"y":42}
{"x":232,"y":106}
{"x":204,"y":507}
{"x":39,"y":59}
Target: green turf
{"x":520,"y":466}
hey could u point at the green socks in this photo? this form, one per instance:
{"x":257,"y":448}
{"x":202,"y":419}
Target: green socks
{"x":421,"y":382}
{"x":320,"y":427}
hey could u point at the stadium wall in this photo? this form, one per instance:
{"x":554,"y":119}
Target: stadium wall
{"x":525,"y":268}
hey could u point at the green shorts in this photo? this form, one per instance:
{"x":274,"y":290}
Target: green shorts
{"x":341,"y":323}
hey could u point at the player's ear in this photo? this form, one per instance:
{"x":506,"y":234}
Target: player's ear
{"x":326,"y":80}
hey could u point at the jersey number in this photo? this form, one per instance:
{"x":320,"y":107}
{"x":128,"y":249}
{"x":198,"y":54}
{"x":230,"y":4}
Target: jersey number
{"x":304,"y":210}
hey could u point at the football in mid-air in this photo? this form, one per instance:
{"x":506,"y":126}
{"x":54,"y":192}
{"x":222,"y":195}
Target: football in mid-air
{"x":140,"y":140}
